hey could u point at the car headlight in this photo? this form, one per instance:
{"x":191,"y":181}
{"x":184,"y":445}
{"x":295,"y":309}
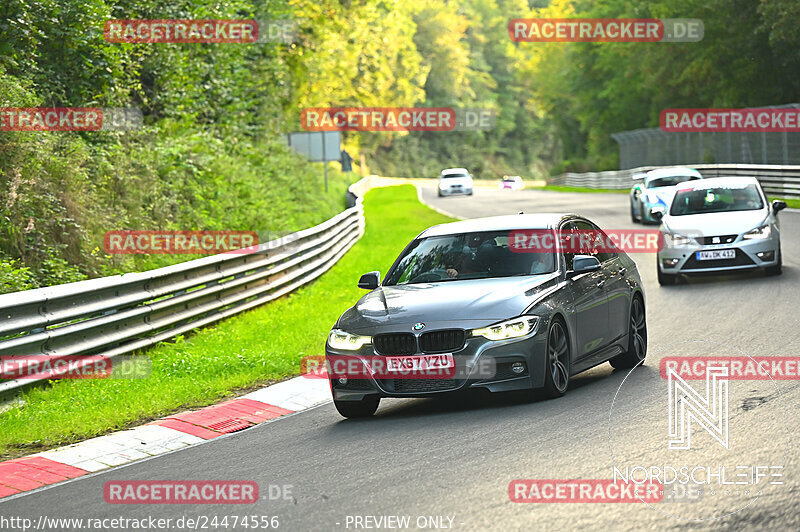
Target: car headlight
{"x":675,"y":239}
{"x":758,"y":233}
{"x":339,"y":339}
{"x":507,"y":329}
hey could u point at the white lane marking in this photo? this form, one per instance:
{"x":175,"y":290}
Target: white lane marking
{"x":121,"y":447}
{"x":440,"y":211}
{"x":295,"y":394}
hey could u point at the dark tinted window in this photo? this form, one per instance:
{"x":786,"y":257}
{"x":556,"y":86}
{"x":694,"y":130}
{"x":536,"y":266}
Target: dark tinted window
{"x":717,"y":199}
{"x":670,"y":181}
{"x":466,"y":256}
{"x":601,"y":256}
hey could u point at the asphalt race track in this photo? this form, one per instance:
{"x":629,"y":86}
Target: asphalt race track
{"x":455,"y":458}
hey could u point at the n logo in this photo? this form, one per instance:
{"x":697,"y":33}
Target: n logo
{"x":686,"y":404}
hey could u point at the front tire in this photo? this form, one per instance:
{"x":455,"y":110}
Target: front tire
{"x":634,"y":219}
{"x":354,"y":409}
{"x":557,"y":376}
{"x":637,"y":338}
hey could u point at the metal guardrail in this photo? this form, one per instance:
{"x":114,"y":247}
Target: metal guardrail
{"x":777,"y":180}
{"x":117,"y":315}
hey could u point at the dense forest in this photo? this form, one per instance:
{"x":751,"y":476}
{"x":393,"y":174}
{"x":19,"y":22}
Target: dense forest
{"x":211,"y":154}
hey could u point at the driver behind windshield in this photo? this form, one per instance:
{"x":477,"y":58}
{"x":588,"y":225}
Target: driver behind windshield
{"x":497,"y":260}
{"x":474,"y":257}
{"x":466,"y":256}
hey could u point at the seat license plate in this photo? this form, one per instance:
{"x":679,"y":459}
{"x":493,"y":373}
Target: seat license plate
{"x":716,"y":254}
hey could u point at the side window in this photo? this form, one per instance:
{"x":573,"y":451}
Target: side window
{"x":602,"y":254}
{"x":564,"y":232}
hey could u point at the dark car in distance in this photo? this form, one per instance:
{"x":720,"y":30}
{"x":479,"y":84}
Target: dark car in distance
{"x":462,"y":308}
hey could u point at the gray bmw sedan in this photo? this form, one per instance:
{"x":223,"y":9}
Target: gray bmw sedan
{"x":500,"y":303}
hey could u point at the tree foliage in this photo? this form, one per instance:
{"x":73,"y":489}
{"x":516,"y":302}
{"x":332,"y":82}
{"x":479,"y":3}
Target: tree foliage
{"x":211,"y":156}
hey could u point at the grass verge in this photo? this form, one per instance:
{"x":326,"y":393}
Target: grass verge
{"x":561,"y":188}
{"x":257,"y":347}
{"x":791,"y":203}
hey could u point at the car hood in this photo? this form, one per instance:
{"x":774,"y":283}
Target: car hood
{"x":663,"y":194}
{"x":479,"y":301}
{"x":717,"y":223}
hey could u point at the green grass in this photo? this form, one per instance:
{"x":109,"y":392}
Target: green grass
{"x":791,"y":203}
{"x":260,"y":346}
{"x":560,"y":188}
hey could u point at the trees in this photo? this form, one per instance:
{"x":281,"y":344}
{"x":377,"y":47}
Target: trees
{"x":214,"y":113}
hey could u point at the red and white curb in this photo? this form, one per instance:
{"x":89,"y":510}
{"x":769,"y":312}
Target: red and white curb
{"x":161,"y":436}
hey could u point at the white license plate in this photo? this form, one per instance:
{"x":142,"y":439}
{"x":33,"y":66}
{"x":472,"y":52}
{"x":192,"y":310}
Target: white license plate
{"x":716,"y":254}
{"x":420,"y":363}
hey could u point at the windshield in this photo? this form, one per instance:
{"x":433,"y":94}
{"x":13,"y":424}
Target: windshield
{"x":466,"y":256}
{"x":670,"y":181}
{"x":717,"y":199}
{"x":445,"y":176}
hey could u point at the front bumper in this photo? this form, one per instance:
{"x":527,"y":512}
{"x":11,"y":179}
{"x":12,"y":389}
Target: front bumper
{"x":455,"y":190}
{"x":750,"y":255}
{"x":481,"y":363}
{"x":647,"y":208}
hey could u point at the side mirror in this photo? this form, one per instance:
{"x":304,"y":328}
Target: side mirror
{"x":637,"y":177}
{"x":657,"y":213}
{"x":370,"y":281}
{"x":778,"y":205}
{"x":582,"y":264}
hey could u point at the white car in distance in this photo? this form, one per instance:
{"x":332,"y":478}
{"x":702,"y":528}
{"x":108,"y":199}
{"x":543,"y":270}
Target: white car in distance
{"x":454,"y":181}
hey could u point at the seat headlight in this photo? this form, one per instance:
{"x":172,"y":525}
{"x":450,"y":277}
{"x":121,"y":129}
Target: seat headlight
{"x":339,"y":339}
{"x":507,"y":329}
{"x":758,"y":233}
{"x":676,"y":239}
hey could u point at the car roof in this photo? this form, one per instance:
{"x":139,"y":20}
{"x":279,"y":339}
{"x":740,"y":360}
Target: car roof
{"x":672,"y":171}
{"x":545,"y":220}
{"x":455,"y":171}
{"x":718,"y":181}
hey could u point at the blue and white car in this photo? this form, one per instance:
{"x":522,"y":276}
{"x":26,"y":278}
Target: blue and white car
{"x":720,"y":225}
{"x":655,"y":191}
